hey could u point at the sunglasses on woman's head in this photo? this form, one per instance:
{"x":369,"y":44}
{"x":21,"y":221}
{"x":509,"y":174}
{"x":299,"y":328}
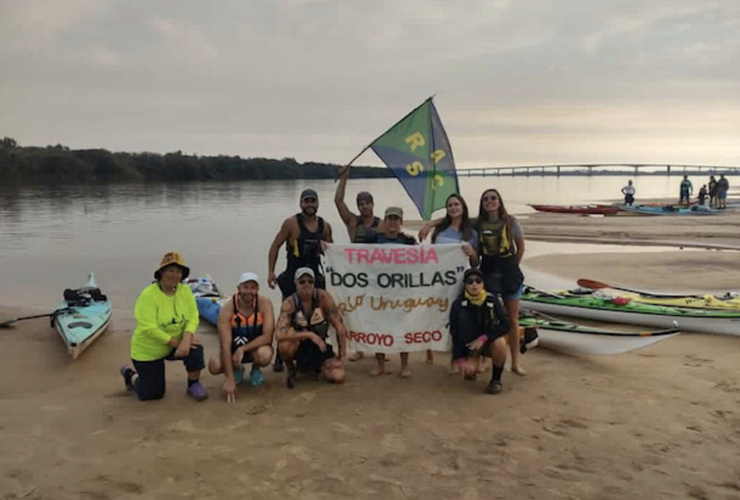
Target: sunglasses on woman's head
{"x":471,"y":281}
{"x":304,"y":282}
{"x":492,"y":197}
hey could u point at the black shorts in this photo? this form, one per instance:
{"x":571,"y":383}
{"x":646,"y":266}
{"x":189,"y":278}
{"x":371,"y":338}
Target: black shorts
{"x":247,"y":358}
{"x":309,"y":358}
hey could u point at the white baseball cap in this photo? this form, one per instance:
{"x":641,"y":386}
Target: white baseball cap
{"x":302,"y":272}
{"x":248,"y":277}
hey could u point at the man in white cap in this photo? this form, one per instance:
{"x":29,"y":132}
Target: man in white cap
{"x":303,"y":329}
{"x":245,"y":328}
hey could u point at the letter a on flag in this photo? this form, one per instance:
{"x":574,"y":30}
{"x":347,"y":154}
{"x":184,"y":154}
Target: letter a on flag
{"x":418,"y":152}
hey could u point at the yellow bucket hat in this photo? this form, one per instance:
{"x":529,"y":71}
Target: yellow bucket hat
{"x":169,"y":259}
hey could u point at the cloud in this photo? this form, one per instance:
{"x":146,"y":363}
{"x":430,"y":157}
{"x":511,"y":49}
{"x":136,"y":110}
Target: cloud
{"x":318,"y":79}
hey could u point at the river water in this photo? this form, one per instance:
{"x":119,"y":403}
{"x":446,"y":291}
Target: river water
{"x":52,"y":236}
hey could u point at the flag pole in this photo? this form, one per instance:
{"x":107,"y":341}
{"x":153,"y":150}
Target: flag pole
{"x":381,"y":135}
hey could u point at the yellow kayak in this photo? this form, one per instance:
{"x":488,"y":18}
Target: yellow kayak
{"x":729,"y":301}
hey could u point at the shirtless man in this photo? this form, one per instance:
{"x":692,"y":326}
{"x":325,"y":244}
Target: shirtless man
{"x":302,"y":234}
{"x":303,"y":329}
{"x":245,"y":328}
{"x":358,"y":226}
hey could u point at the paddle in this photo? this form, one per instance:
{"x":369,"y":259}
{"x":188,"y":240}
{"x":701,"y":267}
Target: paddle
{"x":598,"y":285}
{"x":6,"y":324}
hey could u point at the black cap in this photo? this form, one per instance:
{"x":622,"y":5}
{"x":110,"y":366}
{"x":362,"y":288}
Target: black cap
{"x":470,"y":272}
{"x":309,"y":193}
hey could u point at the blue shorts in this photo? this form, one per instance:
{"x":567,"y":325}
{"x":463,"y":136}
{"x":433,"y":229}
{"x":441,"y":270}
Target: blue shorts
{"x":517,"y":295}
{"x":722,"y":195}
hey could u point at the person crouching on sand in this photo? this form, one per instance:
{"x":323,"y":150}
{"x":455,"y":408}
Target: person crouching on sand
{"x":303,"y":329}
{"x":245,"y":327}
{"x":478,"y":324}
{"x":166,"y":321}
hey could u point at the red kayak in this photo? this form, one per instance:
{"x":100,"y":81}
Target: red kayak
{"x":578,"y":209}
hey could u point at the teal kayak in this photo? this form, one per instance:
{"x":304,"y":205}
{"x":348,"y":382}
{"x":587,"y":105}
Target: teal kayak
{"x":597,"y":306}
{"x":669,"y":210}
{"x":83,"y":316}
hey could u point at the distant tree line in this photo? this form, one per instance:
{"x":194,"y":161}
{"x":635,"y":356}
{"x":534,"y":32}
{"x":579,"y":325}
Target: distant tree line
{"x":59,"y":164}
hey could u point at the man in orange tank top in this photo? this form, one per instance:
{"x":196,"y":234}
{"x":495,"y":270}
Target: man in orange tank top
{"x":245,"y":328}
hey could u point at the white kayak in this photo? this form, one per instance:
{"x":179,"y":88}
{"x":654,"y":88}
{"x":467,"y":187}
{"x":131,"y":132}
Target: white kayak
{"x":84,"y":315}
{"x":571,"y":338}
{"x":590,"y":305}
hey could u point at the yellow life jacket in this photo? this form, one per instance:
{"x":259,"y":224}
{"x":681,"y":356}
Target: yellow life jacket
{"x":493,"y":239}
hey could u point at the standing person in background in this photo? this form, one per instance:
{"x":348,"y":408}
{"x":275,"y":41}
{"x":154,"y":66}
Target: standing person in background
{"x":723,"y":185}
{"x":686,"y":190}
{"x":457,"y":228}
{"x":302,"y":234}
{"x":629,"y":193}
{"x":712,"y":191}
{"x":166,"y":321}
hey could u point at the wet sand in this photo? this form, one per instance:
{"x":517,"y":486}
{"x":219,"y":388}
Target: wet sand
{"x":662,"y":422}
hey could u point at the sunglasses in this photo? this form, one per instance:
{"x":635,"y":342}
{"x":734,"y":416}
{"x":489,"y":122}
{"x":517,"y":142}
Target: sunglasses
{"x":490,"y":198}
{"x":309,"y":200}
{"x":473,"y":281}
{"x":305,"y":282}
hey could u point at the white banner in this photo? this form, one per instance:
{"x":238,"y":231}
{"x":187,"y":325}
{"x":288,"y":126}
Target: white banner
{"x":396,"y":298}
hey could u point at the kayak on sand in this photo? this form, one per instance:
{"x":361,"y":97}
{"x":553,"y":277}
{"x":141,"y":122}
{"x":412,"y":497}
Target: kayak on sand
{"x":570,"y":338}
{"x":208,"y":298}
{"x":84,"y":315}
{"x":592,"y":305}
{"x":730,"y":300}
{"x":578,"y":209}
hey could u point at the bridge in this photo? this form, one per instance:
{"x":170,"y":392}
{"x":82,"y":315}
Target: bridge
{"x":620,"y":169}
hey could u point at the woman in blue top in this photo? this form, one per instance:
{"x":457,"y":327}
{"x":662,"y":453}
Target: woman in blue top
{"x":456,"y":228}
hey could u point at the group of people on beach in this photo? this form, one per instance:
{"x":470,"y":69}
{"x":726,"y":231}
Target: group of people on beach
{"x":486,"y":311}
{"x":716,"y":191}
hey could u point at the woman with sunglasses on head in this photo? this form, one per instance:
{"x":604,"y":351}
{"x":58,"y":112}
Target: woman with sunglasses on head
{"x":501,"y":248}
{"x":456,"y":228}
{"x":166,"y":321}
{"x":478,"y":322}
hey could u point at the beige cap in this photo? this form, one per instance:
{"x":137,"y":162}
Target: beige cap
{"x":397,"y":211}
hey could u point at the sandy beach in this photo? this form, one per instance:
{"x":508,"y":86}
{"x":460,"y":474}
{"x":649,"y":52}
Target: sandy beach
{"x":661,"y":422}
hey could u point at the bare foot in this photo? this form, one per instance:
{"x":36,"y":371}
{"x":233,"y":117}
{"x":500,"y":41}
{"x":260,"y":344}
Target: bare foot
{"x":518,"y":370}
{"x":404,"y":373}
{"x":377,"y":371}
{"x":356,"y":356}
{"x":454,"y":369}
{"x":430,"y":357}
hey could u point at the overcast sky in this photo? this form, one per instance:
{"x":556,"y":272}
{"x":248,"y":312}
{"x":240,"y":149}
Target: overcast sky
{"x":517,"y":82}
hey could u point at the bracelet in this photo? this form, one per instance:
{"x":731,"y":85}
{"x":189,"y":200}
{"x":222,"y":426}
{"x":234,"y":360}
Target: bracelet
{"x":483,"y":338}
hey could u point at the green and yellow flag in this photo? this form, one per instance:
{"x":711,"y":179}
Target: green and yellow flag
{"x":418,"y":152}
